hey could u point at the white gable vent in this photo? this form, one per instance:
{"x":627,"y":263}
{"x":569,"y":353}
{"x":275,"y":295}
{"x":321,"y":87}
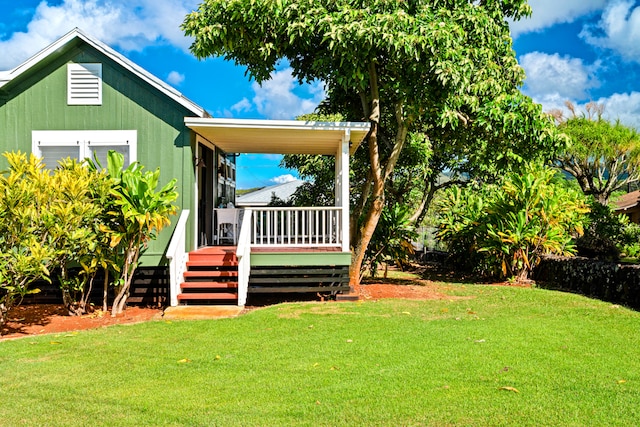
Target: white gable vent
{"x":84,"y":84}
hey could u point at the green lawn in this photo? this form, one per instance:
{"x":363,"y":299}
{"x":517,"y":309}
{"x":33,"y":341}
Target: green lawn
{"x":488,"y":356}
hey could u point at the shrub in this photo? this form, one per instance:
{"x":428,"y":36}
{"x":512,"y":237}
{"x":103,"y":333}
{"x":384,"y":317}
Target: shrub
{"x":391,"y":241}
{"x":76,"y":215}
{"x":139,"y":211}
{"x":26,"y":218}
{"x":503,"y":230}
{"x":604,"y":233}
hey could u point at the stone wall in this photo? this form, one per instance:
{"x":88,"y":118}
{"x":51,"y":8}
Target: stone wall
{"x":607,"y":281}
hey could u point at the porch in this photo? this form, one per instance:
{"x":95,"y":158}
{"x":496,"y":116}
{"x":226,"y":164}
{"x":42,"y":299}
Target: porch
{"x":266,"y":249}
{"x":278,"y":250}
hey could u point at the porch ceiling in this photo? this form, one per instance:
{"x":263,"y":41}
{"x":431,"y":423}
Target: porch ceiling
{"x":278,"y":136}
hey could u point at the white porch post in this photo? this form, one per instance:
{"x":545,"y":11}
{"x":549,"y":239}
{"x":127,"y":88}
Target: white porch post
{"x":342,"y":187}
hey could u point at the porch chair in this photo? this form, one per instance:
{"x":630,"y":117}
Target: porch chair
{"x":227,"y":229}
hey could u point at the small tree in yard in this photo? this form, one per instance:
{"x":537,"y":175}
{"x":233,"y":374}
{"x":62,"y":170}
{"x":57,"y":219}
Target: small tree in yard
{"x":25,"y":219}
{"x":602,"y":156}
{"x":139,"y":213}
{"x":508,"y":227}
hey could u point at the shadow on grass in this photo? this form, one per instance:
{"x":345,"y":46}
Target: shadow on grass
{"x":24,"y":316}
{"x":432,"y":271}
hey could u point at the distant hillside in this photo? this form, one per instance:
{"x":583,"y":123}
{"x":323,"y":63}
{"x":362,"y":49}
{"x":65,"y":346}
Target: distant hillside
{"x":247,"y":190}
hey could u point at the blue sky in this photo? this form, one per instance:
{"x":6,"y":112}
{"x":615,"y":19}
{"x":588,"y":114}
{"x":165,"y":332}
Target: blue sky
{"x":577,"y":50}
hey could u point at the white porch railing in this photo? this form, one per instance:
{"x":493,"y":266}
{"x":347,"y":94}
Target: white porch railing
{"x":243,"y":253}
{"x":177,"y":256}
{"x":309,"y":226}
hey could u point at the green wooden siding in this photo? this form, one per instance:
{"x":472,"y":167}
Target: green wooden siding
{"x":264,"y":259}
{"x":39,"y":102}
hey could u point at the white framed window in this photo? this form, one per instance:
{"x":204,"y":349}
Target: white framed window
{"x":84,"y":84}
{"x":55,"y":145}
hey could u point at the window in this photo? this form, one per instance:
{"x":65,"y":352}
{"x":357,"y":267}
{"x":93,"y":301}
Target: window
{"x":55,"y":145}
{"x":84,"y":84}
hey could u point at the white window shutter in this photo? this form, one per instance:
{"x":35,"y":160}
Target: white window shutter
{"x":84,"y":84}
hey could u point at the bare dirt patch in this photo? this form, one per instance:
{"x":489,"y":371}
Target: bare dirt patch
{"x":405,"y":289}
{"x":39,"y":319}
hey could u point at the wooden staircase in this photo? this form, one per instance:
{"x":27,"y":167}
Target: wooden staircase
{"x":211,"y":277}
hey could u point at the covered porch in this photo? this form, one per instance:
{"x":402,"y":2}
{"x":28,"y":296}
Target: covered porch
{"x":271,"y":249}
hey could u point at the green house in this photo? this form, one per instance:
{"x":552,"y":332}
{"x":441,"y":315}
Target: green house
{"x":80,"y":98}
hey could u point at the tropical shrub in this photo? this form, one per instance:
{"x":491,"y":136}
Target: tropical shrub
{"x":79,"y":216}
{"x":459,"y":214}
{"x":139,"y":213}
{"x":26,"y":252}
{"x":630,"y":247}
{"x":392,"y":239}
{"x":76,"y":233}
{"x":503,"y":230}
{"x":604,"y":234}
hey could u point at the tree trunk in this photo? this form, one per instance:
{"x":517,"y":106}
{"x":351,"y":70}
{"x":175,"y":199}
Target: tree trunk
{"x":379,"y":175}
{"x":86,"y":296}
{"x":131,"y":261}
{"x":365,"y":232}
{"x":602,"y":198}
{"x":3,"y":314}
{"x":105,"y":290}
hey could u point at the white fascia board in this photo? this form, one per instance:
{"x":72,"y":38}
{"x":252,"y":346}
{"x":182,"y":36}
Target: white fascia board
{"x":4,"y":78}
{"x":276,"y":124}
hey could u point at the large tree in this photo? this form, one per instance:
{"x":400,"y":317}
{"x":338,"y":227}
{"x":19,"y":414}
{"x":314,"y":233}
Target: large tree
{"x":450,"y":61}
{"x":602,"y":156}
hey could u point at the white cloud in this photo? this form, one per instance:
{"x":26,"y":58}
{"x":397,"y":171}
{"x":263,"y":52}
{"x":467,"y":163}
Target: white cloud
{"x":175,"y":78}
{"x":553,"y":79}
{"x":281,"y":179}
{"x":241,"y":106}
{"x":547,"y":13}
{"x":618,"y":29}
{"x":127,"y":24}
{"x":624,"y":107}
{"x":275,"y":99}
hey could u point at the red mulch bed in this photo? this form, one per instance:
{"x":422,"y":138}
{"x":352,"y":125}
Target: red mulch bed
{"x":38,"y":319}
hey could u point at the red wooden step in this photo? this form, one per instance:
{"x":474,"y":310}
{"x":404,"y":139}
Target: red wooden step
{"x":209,"y":263}
{"x":215,"y":250}
{"x":210,"y":273}
{"x":221,"y":255}
{"x":208,"y":296}
{"x":208,"y":285}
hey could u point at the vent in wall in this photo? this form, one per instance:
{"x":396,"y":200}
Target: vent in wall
{"x":84,"y":84}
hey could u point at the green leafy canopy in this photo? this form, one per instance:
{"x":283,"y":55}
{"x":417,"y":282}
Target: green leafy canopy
{"x":463,"y":48}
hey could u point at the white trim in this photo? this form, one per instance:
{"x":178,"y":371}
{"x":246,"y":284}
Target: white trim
{"x":85,"y":139}
{"x":275,"y":124}
{"x":342,"y":189}
{"x":177,"y":257}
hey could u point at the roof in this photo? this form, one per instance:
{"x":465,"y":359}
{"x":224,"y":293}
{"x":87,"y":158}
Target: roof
{"x":279,"y":136}
{"x":76,"y":36}
{"x":263,"y":196}
{"x":627,"y":201}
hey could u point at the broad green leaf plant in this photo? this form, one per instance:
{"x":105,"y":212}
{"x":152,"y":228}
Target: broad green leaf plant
{"x":504,"y":229}
{"x":139,"y":212}
{"x":392,"y":241}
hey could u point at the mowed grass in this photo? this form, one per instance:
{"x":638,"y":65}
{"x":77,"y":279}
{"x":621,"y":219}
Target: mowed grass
{"x":488,"y":356}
